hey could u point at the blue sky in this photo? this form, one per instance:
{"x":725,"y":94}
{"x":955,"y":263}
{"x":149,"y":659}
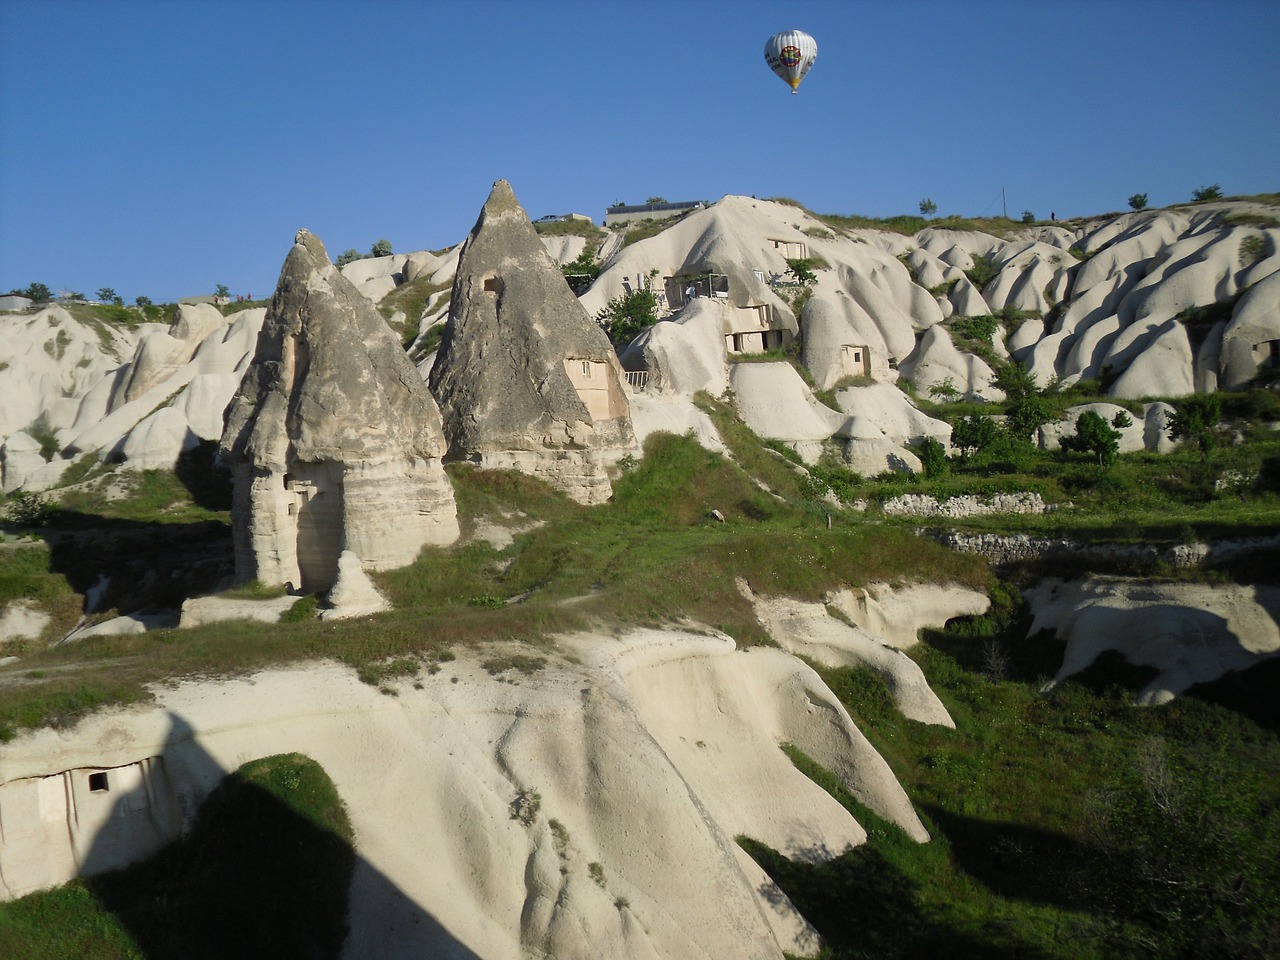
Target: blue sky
{"x":162,"y":147}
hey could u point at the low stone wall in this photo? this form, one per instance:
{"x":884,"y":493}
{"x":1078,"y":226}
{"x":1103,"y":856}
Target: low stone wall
{"x":922,"y":505}
{"x":1002,"y":549}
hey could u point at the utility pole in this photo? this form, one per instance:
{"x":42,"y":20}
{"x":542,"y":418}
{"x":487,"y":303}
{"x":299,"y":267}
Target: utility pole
{"x":1004,"y":204}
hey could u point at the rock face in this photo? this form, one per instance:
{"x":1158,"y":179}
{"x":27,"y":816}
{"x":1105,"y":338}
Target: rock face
{"x":1190,"y":632}
{"x":525,"y":379}
{"x":334,"y":441}
{"x":587,"y":813}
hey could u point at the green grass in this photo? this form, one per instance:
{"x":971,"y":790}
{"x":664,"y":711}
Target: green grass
{"x":264,"y":871}
{"x":1068,"y":825}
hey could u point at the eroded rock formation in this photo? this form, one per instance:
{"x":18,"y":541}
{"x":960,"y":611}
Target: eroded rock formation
{"x":525,"y":379}
{"x":334,"y":441}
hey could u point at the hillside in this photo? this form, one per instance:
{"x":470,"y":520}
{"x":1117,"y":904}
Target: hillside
{"x":847,"y":661}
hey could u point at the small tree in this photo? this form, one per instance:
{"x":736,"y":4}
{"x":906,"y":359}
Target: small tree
{"x":350,"y":255}
{"x":222,"y":292}
{"x":625,"y":317}
{"x":927,"y":207}
{"x":141,"y":301}
{"x":1212,"y":192}
{"x":1093,"y":436}
{"x":107,"y":295}
{"x":381,"y":249}
{"x":945,"y":391}
{"x":1195,"y":419}
{"x":933,"y":457}
{"x":973,"y":434}
{"x":802,"y":269}
{"x":656,"y":200}
{"x":1028,"y":216}
{"x":1138,"y":201}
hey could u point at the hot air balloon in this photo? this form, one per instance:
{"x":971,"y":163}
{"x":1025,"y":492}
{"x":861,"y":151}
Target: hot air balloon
{"x":790,"y":54}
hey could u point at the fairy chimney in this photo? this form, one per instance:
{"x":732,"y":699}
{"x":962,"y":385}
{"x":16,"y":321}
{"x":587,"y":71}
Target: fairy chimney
{"x":525,"y":379}
{"x":334,"y":441}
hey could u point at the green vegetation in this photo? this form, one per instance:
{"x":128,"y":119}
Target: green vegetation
{"x":573,"y":228}
{"x":1138,"y":201}
{"x":1063,"y":825}
{"x":264,"y":871}
{"x":928,"y":208}
{"x":37,"y":292}
{"x":1202,"y":194}
{"x":625,"y":317}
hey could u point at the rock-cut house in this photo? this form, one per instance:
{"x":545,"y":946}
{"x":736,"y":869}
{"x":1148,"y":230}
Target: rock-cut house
{"x":334,"y":441}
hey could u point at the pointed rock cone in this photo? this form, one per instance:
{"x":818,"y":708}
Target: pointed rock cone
{"x":525,"y":379}
{"x":334,"y":441}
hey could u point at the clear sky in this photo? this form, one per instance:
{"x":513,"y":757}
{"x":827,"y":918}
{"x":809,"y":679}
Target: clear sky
{"x":162,"y":147}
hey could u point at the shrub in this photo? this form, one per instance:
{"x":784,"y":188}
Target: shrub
{"x":1195,"y":420}
{"x":982,"y":272}
{"x":1212,"y":192}
{"x":381,"y":249}
{"x":1028,"y":216}
{"x":802,"y":269}
{"x":625,"y":317}
{"x":974,"y":434}
{"x":1252,"y":249}
{"x":933,"y":457}
{"x":1138,"y":201}
{"x":349,"y":255}
{"x":927,"y":207}
{"x":25,"y":509}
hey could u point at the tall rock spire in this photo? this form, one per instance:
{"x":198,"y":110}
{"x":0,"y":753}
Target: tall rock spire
{"x":525,"y":379}
{"x":335,"y":442}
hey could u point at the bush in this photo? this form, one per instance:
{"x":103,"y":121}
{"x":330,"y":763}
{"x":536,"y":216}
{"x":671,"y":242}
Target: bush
{"x":982,"y":272}
{"x":933,"y":457}
{"x":1028,"y":216}
{"x":1212,"y":192}
{"x":1138,"y":201}
{"x":624,"y":318}
{"x":349,"y":255}
{"x":25,"y":509}
{"x":381,"y":249}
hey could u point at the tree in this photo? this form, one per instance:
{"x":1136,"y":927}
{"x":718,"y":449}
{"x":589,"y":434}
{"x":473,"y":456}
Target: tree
{"x":656,"y":200}
{"x":347,"y":256}
{"x":381,"y":249}
{"x":927,"y":207}
{"x":107,"y":295}
{"x":1028,"y":216}
{"x":34,"y":291}
{"x":1195,"y":419}
{"x":973,"y":434}
{"x":625,"y":317}
{"x":142,"y":301}
{"x":1211,"y":192}
{"x":1093,"y":436}
{"x":802,"y":269}
{"x":222,"y":291}
{"x":1138,"y":201}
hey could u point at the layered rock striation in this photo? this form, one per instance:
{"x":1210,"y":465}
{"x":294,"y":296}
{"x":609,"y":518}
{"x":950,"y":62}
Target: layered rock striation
{"x":525,"y":379}
{"x":334,"y":441}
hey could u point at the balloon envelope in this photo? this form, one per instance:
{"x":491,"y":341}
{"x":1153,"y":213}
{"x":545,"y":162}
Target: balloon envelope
{"x":790,"y":54}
